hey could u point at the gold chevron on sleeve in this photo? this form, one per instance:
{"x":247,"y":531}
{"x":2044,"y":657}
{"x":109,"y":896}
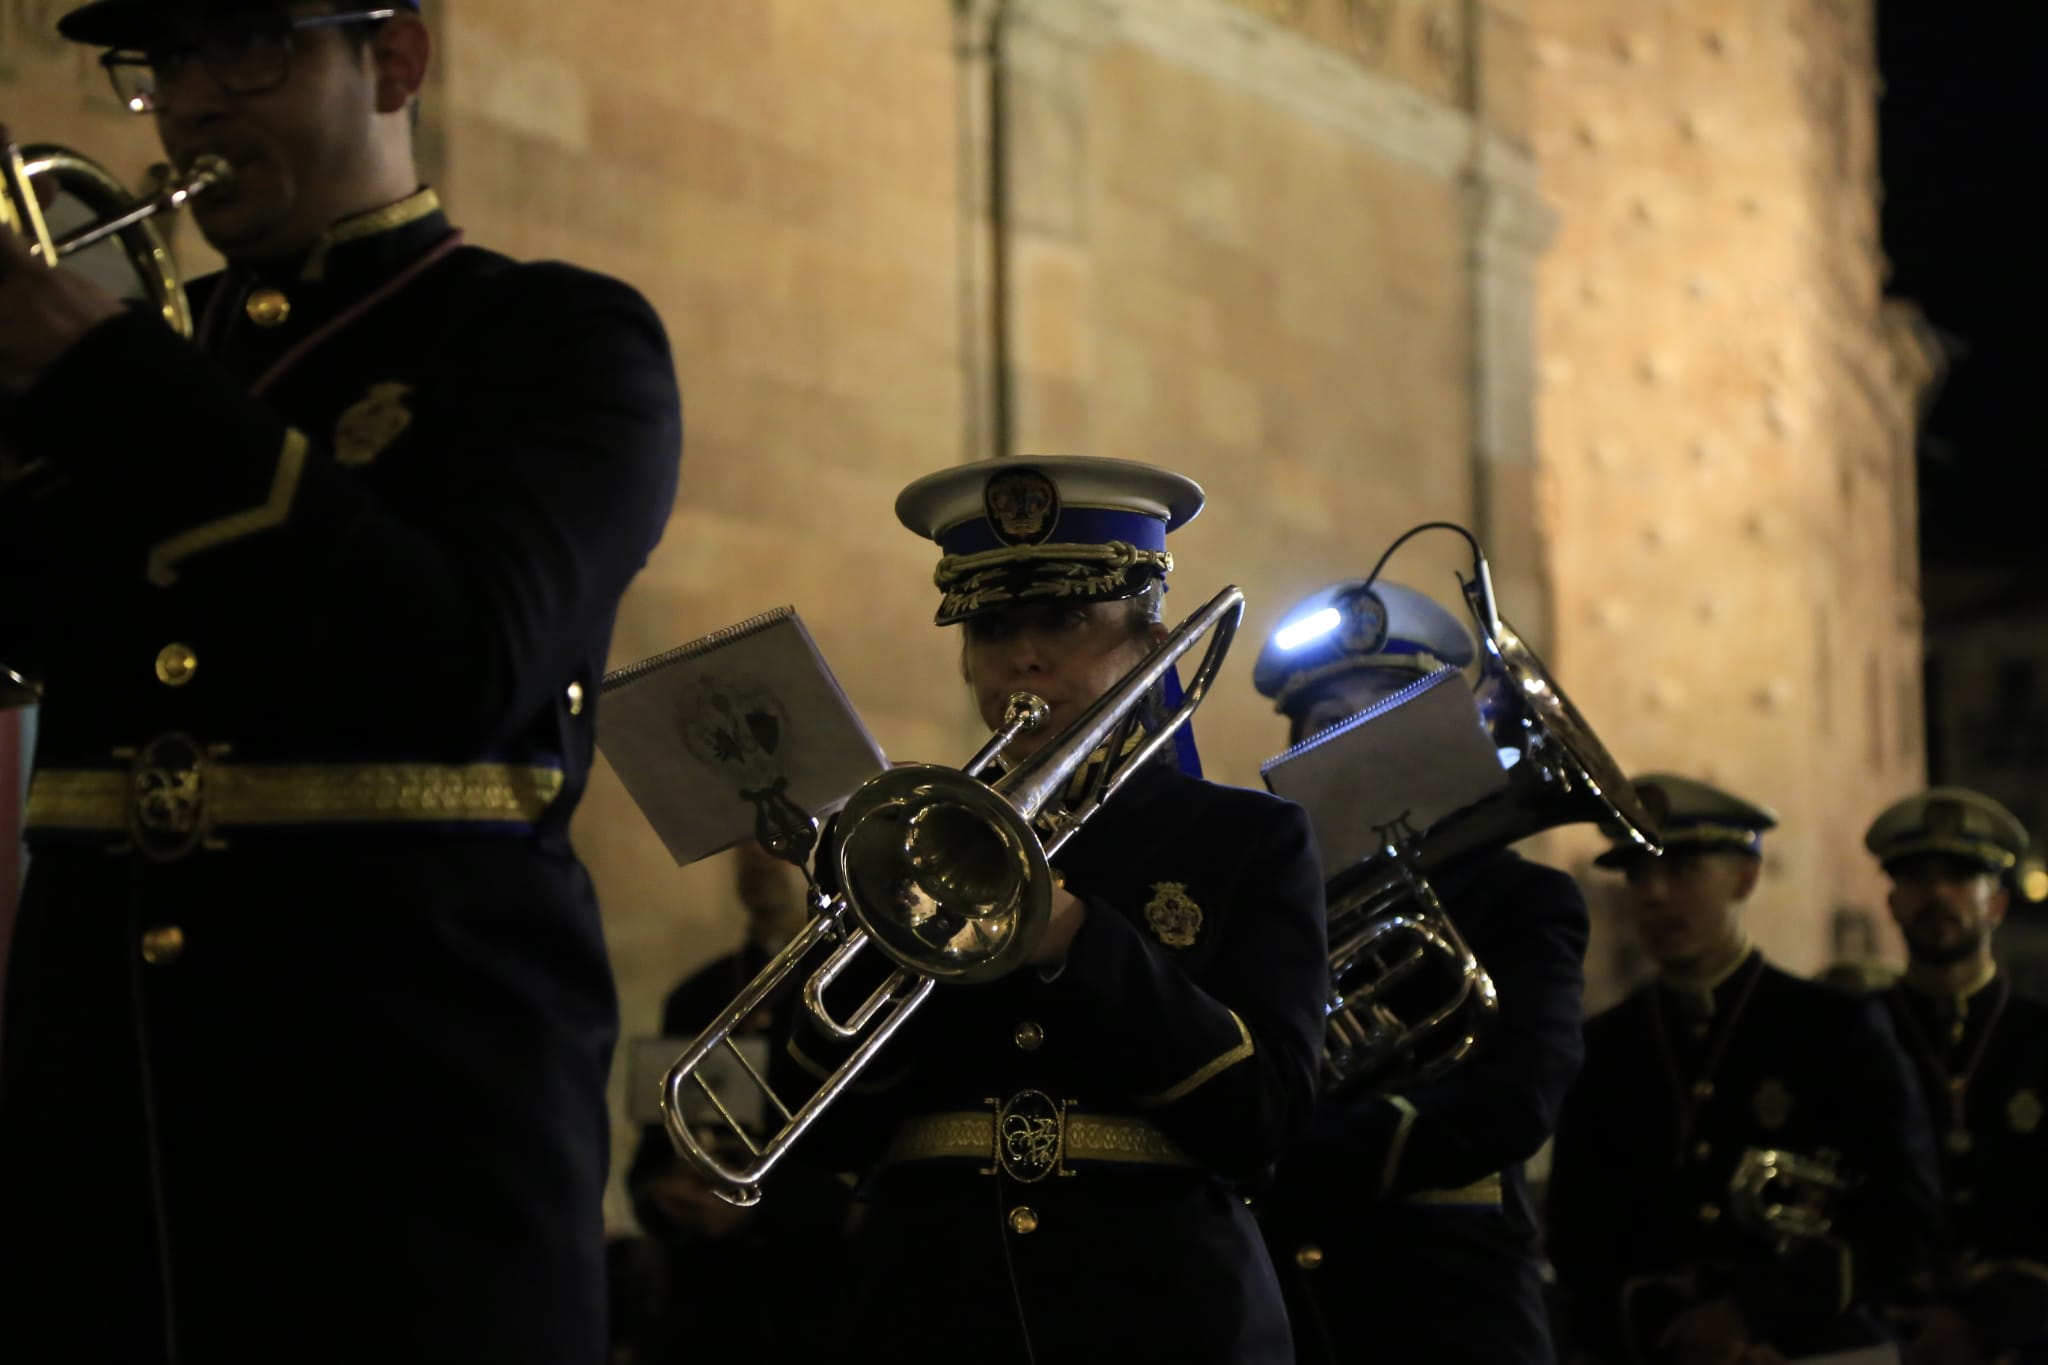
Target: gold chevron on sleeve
{"x":284,"y":486}
{"x":1209,"y":1070}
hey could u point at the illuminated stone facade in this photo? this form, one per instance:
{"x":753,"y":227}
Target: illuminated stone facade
{"x":1727,"y":409}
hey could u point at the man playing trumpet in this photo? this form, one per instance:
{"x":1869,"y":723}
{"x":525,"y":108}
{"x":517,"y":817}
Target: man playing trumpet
{"x":309,"y":1012}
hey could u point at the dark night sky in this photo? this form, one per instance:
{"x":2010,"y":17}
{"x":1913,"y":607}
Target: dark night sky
{"x":1963,"y":152}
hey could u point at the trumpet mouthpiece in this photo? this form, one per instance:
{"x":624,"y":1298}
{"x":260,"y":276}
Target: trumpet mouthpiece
{"x":207,"y":171}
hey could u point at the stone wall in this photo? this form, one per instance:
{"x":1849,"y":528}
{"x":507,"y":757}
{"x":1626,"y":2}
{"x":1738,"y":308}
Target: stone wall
{"x":1726,"y":415}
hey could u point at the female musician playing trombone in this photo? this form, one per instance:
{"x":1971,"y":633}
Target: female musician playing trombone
{"x":1054,"y":1159}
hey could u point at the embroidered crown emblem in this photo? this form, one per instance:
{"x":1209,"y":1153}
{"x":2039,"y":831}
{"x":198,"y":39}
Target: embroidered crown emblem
{"x":368,"y":428}
{"x":1172,"y":915}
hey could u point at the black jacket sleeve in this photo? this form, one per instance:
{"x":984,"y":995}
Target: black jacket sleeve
{"x":1226,"y":1067}
{"x":560,"y":427}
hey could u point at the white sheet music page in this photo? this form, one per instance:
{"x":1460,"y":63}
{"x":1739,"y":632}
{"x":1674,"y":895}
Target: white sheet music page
{"x":1419,"y":755}
{"x":703,"y":735}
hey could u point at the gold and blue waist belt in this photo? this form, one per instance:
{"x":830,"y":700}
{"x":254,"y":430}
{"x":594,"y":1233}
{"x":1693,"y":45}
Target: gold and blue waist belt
{"x":175,"y":796}
{"x":1029,"y":1137}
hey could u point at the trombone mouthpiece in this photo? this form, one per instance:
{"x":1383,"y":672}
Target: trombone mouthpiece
{"x":1026,"y":711}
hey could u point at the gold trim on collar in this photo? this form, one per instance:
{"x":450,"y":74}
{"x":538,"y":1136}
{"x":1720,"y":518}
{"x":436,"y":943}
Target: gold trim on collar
{"x":272,"y":511}
{"x":1209,"y":1070}
{"x":410,"y":209}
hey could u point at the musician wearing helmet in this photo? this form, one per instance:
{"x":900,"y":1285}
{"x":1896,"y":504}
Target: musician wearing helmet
{"x":1663,"y":1250}
{"x":1057,"y":1157}
{"x":309,"y":1015}
{"x":1401,"y":1224}
{"x":1981,"y":1053}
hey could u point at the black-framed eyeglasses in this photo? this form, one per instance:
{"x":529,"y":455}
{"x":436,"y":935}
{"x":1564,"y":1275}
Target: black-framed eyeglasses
{"x":245,"y":52}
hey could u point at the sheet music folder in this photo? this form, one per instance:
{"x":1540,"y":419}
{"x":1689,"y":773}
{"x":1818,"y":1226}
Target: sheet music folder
{"x":704,"y":734}
{"x":1419,"y":755}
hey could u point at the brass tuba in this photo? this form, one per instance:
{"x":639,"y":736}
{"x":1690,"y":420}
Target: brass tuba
{"x":948,"y":876}
{"x":117,"y":214}
{"x":1408,"y":999}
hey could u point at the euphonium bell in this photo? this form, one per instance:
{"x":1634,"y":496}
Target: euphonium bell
{"x":949,"y":876}
{"x":114,"y":212}
{"x":1408,"y":999}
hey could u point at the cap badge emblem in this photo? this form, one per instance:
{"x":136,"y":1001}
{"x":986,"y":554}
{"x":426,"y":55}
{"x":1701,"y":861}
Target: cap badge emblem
{"x":1362,"y":622}
{"x":1022,"y":506}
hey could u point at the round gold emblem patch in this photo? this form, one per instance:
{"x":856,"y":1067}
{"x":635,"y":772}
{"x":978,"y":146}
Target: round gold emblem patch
{"x":1172,"y":915}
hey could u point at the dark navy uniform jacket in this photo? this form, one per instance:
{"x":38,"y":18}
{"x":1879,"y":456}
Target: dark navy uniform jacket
{"x":309,"y":1013}
{"x":1181,"y":1039}
{"x":1671,"y":1096}
{"x":1982,"y":1060}
{"x":1401,"y":1226}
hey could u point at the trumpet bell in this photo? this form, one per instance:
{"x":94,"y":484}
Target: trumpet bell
{"x":66,"y":204}
{"x":944,"y":873}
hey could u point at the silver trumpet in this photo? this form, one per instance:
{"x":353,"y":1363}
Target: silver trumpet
{"x":1409,"y":1001}
{"x":948,"y":876}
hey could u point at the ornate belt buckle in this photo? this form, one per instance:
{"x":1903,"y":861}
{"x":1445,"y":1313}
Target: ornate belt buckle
{"x":169,"y":810}
{"x":1030,"y":1137}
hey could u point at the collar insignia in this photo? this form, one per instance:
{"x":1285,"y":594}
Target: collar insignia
{"x":364,"y":431}
{"x":1172,"y":915}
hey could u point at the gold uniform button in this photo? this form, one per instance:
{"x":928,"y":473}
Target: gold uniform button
{"x":163,"y":945}
{"x":267,"y":307}
{"x":1308,"y":1257}
{"x":1702,"y":1150}
{"x":1703,"y":1090}
{"x":575,"y":695}
{"x":1023,"y":1220}
{"x":1710,"y":1213}
{"x":1964,"y":1196}
{"x":175,"y":665}
{"x":1029,"y":1036}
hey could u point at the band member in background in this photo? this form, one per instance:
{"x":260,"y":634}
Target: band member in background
{"x":1982,"y":1057}
{"x":1060,"y":1161}
{"x":725,"y":1273}
{"x":310,"y":1015}
{"x":1720,"y":1055}
{"x":1401,"y":1226}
